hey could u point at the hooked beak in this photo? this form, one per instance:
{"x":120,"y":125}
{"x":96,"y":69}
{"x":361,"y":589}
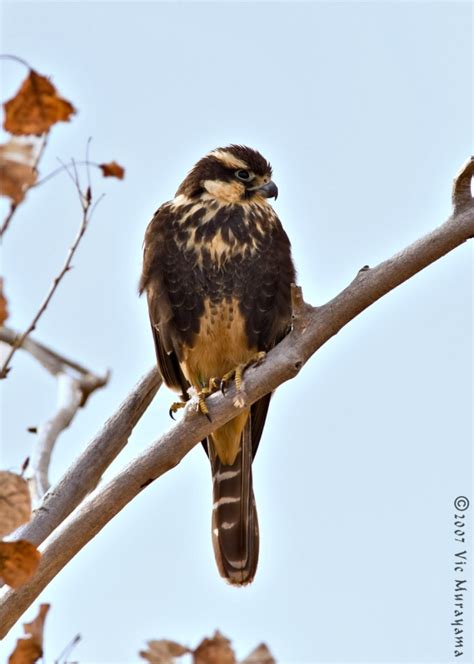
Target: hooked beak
{"x":269,"y":190}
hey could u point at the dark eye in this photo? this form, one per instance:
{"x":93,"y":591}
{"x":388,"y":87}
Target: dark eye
{"x":244,"y":175}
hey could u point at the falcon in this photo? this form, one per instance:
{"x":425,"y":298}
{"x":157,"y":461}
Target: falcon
{"x":217,"y":272}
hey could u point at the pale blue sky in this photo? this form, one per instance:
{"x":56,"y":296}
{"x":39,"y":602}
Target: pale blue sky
{"x":364,"y":110}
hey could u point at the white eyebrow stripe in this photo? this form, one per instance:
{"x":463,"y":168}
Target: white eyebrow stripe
{"x":228,"y":159}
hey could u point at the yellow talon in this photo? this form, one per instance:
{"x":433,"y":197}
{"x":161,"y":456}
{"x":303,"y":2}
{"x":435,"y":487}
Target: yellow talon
{"x":214,"y":385}
{"x":238,"y":372}
{"x":205,"y":392}
{"x":259,"y":357}
{"x":203,"y":407}
{"x":175,"y":407}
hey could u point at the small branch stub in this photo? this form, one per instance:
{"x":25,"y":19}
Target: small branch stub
{"x":461,"y":196}
{"x":300,"y":310}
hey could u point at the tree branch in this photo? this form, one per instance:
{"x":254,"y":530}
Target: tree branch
{"x":69,"y":399}
{"x":74,"y":384}
{"x":86,"y":201}
{"x":50,"y":359}
{"x":85,"y":473}
{"x":312,"y":328}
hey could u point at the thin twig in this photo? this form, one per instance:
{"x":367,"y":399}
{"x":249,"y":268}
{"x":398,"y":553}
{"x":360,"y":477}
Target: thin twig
{"x":44,"y":143}
{"x":86,"y":205}
{"x":15,"y":58}
{"x":74,"y":179}
{"x":50,"y":359}
{"x":62,"y":659}
{"x":8,"y":218}
{"x":61,"y":169}
{"x":88,"y":164}
{"x":82,"y":195}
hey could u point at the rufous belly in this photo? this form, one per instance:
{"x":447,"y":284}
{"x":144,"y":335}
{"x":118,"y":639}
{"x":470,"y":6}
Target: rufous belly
{"x":219,"y":347}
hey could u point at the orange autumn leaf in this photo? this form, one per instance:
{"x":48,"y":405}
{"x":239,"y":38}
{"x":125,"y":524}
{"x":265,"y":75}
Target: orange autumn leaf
{"x":36,"y":107}
{"x":216,"y":650}
{"x":17,"y":172}
{"x":18,"y":562}
{"x":3,"y":304}
{"x":15,"y":502}
{"x":163,"y":651}
{"x":29,"y":649}
{"x":112,"y":170}
{"x":260,"y":655}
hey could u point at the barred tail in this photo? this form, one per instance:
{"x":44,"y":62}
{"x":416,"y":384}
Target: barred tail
{"x":234,"y":514}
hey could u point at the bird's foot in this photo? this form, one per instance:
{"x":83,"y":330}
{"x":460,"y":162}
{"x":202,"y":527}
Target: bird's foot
{"x":237,"y":373}
{"x":199,"y":396}
{"x":175,"y":407}
{"x":201,"y":401}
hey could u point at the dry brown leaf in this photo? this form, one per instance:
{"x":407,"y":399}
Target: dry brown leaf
{"x":18,"y":562}
{"x":30,"y":649}
{"x":3,"y":304}
{"x":35,"y":107}
{"x":15,"y":502}
{"x":260,"y":655}
{"x":112,"y":170}
{"x":214,"y":651}
{"x":26,"y":652}
{"x":163,"y":651}
{"x":17,"y":173}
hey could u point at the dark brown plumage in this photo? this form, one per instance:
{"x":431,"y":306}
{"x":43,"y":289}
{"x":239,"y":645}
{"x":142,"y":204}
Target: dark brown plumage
{"x":217,"y":271}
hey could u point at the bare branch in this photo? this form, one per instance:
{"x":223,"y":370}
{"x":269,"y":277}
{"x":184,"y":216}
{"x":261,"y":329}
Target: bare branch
{"x":8,"y":218}
{"x":64,"y":656}
{"x":14,"y":58}
{"x":63,"y":168}
{"x":74,"y":384}
{"x":86,"y":201}
{"x":50,"y":359}
{"x":69,"y":400}
{"x":85,"y":473}
{"x":314,"y":328}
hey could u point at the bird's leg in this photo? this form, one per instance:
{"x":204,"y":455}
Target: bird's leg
{"x":213,"y":386}
{"x":200,"y":401}
{"x":237,"y":372}
{"x":199,"y":397}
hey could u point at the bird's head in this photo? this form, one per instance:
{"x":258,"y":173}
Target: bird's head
{"x":234,"y":174}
